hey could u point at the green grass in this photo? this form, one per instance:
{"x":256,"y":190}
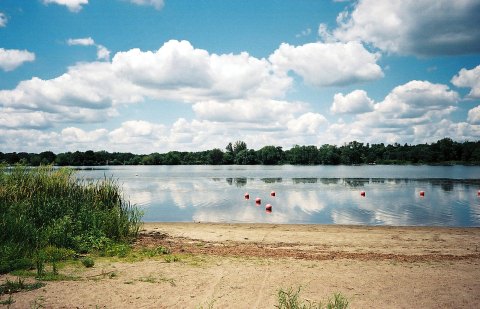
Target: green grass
{"x":18,"y":285}
{"x":47,"y":215}
{"x":171,"y":258}
{"x":8,"y":301}
{"x":290,"y":299}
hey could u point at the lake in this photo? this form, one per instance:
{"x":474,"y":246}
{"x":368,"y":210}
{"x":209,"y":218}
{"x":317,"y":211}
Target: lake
{"x":303,"y":194}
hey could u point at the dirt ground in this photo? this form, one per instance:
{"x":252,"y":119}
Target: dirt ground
{"x":244,"y":266}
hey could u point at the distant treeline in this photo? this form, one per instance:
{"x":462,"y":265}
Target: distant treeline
{"x":444,"y":151}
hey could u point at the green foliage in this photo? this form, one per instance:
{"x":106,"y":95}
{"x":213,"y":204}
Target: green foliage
{"x":290,"y":299}
{"x":8,"y":301}
{"x":47,"y":214}
{"x":171,"y":258}
{"x":151,"y":252}
{"x":88,"y":262}
{"x":19,"y":285}
{"x":338,"y":302}
{"x":444,"y":151}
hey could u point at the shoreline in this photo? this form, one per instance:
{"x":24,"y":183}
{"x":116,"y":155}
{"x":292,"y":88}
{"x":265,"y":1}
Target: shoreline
{"x":345,"y":239}
{"x":244,"y":265}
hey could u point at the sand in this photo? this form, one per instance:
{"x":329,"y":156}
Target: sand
{"x":244,"y":266}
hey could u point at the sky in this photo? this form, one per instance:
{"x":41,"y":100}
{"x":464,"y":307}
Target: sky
{"x":148,"y":76}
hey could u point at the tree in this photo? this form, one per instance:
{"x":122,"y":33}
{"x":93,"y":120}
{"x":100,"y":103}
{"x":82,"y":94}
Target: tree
{"x":246,"y":157}
{"x":239,"y":146}
{"x":47,"y":157}
{"x":269,"y":155}
{"x":215,"y":156}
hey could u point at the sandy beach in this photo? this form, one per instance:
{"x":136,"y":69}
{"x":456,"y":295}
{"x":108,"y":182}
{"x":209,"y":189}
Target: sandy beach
{"x":244,"y":266}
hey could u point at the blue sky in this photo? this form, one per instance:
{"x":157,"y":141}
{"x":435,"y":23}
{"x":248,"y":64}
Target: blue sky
{"x":157,"y":75}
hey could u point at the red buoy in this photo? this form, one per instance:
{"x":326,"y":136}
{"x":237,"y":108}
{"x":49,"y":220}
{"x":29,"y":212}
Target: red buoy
{"x":268,"y":208}
{"x":258,"y":201}
{"x":422,"y":193}
{"x":362,"y":193}
{"x":478,"y":193}
{"x":247,"y":196}
{"x":272,"y":193}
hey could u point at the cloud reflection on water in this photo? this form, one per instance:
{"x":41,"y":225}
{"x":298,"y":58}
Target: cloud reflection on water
{"x":388,"y":201}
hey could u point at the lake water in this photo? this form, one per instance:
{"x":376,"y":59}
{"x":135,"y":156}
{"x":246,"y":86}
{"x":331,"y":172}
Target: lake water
{"x":304,"y":194}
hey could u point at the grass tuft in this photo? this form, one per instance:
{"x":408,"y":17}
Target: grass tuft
{"x":290,"y":299}
{"x":18,"y":285}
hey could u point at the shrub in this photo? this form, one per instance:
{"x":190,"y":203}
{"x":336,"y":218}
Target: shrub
{"x":88,"y":262}
{"x":46,"y":207}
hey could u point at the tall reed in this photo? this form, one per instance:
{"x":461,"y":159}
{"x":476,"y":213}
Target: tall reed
{"x":45,"y":206}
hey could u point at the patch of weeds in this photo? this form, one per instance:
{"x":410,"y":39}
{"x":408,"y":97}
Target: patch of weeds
{"x":171,"y":258}
{"x":151,"y":252}
{"x":38,"y":303}
{"x":194,"y":260}
{"x":19,"y":285}
{"x":54,"y":255}
{"x":337,"y":302}
{"x":149,"y":279}
{"x":116,"y":249}
{"x":290,"y":299}
{"x":208,"y":304}
{"x":23,"y":273}
{"x":8,"y":301}
{"x":88,"y":262}
{"x":169,"y":280}
{"x":50,"y":276}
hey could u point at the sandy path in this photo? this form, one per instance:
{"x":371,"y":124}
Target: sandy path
{"x":243,"y":266}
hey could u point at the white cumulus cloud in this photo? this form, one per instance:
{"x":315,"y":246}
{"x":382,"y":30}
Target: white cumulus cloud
{"x":470,"y":79}
{"x":102,"y":52}
{"x":355,"y":102}
{"x":256,"y":110}
{"x":427,"y":27}
{"x":410,"y":113}
{"x":136,"y":129}
{"x":157,"y":4}
{"x":82,"y":41}
{"x":76,"y":135}
{"x":474,"y":115}
{"x":10,"y":59}
{"x":308,"y":123}
{"x":328,"y":64}
{"x":179,"y":70}
{"x":72,"y":5}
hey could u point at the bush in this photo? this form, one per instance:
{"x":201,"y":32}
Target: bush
{"x":88,"y":262}
{"x":47,"y":207}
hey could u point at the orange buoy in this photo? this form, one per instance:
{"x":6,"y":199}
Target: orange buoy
{"x":258,"y":201}
{"x":362,"y":193}
{"x":272,"y":193}
{"x":422,"y":193}
{"x":268,"y":208}
{"x":247,"y":196}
